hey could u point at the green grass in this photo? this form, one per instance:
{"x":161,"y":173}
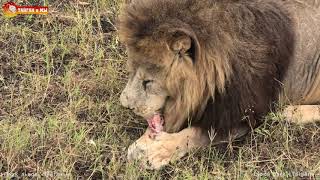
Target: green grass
{"x":60,"y":117}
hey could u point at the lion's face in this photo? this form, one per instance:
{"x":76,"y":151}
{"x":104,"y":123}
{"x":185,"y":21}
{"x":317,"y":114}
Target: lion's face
{"x":145,"y":92}
{"x":164,"y":79}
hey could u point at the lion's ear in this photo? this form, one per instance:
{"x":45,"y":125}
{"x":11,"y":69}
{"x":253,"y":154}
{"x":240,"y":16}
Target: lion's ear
{"x":181,"y":44}
{"x":185,"y":41}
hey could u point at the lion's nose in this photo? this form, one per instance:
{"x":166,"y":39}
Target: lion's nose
{"x":125,"y":102}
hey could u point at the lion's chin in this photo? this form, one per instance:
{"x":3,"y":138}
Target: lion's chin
{"x":156,"y":123}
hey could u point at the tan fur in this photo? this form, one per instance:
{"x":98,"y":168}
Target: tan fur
{"x":302,"y":114}
{"x":165,"y":148}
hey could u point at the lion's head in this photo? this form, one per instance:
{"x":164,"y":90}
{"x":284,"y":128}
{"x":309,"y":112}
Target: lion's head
{"x":167,"y":71}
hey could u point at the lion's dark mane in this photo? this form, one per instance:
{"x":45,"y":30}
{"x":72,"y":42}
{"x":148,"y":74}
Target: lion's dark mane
{"x":244,"y":48}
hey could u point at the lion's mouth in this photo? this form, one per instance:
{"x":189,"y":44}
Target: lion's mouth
{"x":156,"y":123}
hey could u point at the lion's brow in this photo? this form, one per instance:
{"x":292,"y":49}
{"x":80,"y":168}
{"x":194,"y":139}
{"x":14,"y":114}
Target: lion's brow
{"x":152,"y":67}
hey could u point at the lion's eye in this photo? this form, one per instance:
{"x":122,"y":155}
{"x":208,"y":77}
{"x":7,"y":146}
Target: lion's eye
{"x":145,"y":83}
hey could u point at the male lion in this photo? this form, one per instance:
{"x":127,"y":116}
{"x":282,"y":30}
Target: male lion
{"x":212,"y":69}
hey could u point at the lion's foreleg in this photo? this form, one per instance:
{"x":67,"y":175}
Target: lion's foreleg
{"x":302,"y":114}
{"x":164,"y":148}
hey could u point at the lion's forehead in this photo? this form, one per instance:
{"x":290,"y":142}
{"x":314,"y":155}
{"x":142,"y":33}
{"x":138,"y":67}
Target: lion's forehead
{"x":148,"y":65}
{"x":154,"y":52}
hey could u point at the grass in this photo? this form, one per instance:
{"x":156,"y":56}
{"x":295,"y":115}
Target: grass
{"x":60,"y":117}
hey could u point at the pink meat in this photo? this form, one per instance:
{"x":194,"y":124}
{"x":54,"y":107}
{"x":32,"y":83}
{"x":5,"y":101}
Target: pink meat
{"x":156,"y":123}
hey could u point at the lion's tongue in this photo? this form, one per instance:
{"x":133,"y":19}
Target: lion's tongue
{"x":156,"y":123}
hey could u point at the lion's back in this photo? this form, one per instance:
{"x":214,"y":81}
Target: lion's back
{"x":302,"y":80}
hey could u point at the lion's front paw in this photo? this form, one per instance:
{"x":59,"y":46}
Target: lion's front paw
{"x":158,"y":152}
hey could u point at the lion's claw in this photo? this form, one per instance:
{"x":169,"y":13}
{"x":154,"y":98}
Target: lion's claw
{"x":155,"y":153}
